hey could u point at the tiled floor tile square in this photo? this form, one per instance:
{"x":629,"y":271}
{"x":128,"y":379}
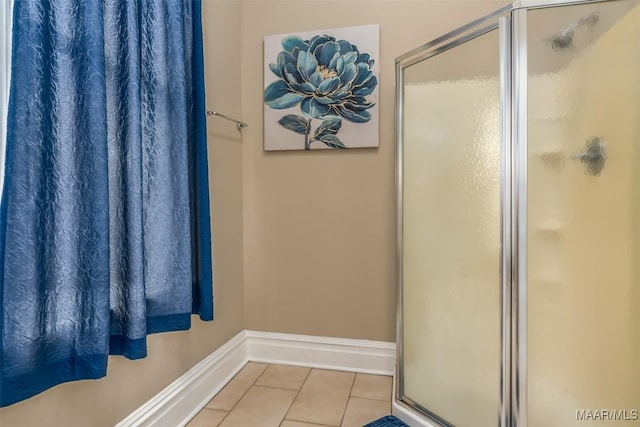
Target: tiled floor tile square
{"x":207,"y":418}
{"x":323,"y":397}
{"x":283,"y":376}
{"x":231,"y":393}
{"x":372,"y":387}
{"x":260,"y":407}
{"x":363,"y":411}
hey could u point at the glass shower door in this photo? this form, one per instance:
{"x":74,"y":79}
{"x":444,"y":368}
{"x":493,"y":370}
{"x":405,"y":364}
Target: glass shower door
{"x":584,"y":215}
{"x":451,"y":233}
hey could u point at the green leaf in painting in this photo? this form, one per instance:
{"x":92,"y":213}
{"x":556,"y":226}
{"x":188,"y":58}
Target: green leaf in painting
{"x":298,"y":124}
{"x":329,"y":126}
{"x":332,"y":141}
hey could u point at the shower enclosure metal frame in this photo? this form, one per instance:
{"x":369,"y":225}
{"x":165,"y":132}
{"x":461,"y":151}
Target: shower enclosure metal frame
{"x":511,"y":23}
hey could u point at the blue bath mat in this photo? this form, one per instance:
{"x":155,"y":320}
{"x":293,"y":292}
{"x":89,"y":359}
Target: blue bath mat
{"x":388,"y":421}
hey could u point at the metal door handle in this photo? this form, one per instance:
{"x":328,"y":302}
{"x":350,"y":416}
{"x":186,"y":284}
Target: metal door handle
{"x":593,"y":156}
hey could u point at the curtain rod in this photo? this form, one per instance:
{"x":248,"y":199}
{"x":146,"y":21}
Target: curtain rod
{"x":240,"y":125}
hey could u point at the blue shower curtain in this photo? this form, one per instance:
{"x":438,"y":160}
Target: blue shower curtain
{"x":104,"y":221}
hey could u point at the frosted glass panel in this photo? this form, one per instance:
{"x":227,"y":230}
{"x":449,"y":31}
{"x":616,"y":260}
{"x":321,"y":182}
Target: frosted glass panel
{"x":584,"y":223}
{"x":451,"y":233}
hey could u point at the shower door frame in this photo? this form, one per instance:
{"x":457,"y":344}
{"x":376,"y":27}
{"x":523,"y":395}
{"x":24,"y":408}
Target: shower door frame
{"x":499,"y":20}
{"x":511,"y":22}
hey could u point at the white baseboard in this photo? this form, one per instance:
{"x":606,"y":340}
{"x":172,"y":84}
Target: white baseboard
{"x":182,"y":399}
{"x":186,"y":396}
{"x":373,"y":357}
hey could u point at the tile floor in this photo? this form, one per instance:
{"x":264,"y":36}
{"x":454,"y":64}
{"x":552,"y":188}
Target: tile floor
{"x":267,"y":395}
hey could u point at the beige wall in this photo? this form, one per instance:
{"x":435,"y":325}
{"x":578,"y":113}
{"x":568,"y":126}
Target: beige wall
{"x":319,"y":227}
{"x":129,"y":384}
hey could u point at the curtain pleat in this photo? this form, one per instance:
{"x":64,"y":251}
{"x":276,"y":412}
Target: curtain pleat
{"x":104,"y":222}
{"x":200,"y":208}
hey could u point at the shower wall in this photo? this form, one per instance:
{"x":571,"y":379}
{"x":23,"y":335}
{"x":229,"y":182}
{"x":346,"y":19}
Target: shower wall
{"x":583,"y":286}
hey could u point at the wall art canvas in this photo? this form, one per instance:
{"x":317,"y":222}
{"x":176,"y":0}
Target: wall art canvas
{"x":321,"y":89}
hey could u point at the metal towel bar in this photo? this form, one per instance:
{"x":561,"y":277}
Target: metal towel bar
{"x":240,"y":125}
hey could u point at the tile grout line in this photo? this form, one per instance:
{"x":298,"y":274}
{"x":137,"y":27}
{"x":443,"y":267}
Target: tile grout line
{"x":348,"y":398}
{"x":243,"y":394}
{"x":220,"y":391}
{"x":296,"y":396}
{"x":371,"y":398}
{"x":275,"y":387}
{"x":390,"y":399}
{"x":211,"y":409}
{"x":223,"y":418}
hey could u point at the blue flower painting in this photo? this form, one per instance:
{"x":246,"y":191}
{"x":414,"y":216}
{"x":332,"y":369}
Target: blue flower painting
{"x":323,"y":89}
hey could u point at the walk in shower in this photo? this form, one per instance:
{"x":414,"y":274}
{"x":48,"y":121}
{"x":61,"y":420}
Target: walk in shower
{"x":519,"y":219}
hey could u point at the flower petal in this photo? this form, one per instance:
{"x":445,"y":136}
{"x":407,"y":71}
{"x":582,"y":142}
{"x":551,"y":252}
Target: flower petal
{"x":281,"y":60}
{"x":295,"y":52}
{"x":307,"y":65}
{"x":357,"y":106}
{"x":291,"y":42}
{"x":363,"y":57}
{"x":291,"y":74}
{"x":303,"y":88}
{"x":286,"y":101}
{"x":358,"y":103}
{"x":329,"y":85}
{"x":318,"y":40}
{"x":325,"y":52}
{"x":334,"y":60}
{"x":289,"y":78}
{"x":350,"y":57}
{"x":286,"y":64}
{"x":339,"y":95}
{"x":278,"y":95}
{"x":275,"y":70}
{"x":348,"y":75}
{"x":313,"y":108}
{"x":353,"y":116}
{"x":345,"y":47}
{"x":367,"y":88}
{"x":316,"y":79}
{"x":364,"y":73}
{"x":325,"y":100}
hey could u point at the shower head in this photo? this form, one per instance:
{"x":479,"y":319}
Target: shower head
{"x":564,"y":40}
{"x":589,"y":21}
